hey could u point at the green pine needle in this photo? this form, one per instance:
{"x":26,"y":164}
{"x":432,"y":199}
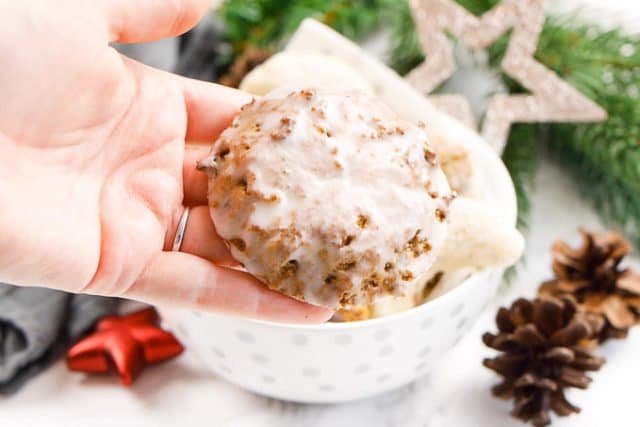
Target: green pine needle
{"x":268,"y":23}
{"x":521,"y":158}
{"x":603,"y":157}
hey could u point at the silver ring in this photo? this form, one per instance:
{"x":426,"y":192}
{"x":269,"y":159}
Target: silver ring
{"x":182,"y":228}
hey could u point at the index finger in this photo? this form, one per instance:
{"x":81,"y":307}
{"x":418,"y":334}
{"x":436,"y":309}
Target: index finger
{"x":190,"y":281}
{"x":210,"y":107}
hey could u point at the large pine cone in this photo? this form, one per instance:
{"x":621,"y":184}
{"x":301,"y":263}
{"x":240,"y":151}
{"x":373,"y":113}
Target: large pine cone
{"x":592,"y":275}
{"x":544,"y":344}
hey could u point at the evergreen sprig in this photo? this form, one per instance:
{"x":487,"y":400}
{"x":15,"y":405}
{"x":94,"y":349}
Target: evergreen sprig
{"x":604,"y":65}
{"x":604,"y":157}
{"x":268,"y":23}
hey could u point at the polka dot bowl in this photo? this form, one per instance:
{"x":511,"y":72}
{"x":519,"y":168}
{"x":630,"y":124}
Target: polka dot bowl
{"x":333,"y":362}
{"x":337,"y":362}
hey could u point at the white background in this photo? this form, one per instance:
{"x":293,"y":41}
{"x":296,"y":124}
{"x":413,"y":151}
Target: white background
{"x":454,"y":395}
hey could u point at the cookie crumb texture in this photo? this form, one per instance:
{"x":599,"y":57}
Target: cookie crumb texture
{"x":327,"y":196}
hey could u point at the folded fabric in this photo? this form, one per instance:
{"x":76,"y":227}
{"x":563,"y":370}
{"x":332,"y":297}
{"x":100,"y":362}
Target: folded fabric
{"x":198,"y":54}
{"x":162,"y":54}
{"x":36,"y":327}
{"x":202,"y":51}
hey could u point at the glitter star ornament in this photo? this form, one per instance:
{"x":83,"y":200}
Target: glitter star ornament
{"x":551,"y":99}
{"x":125,"y":344}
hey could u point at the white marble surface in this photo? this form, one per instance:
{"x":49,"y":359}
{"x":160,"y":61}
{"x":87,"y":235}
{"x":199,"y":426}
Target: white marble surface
{"x":455,"y":394}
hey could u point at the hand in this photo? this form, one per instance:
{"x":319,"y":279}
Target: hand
{"x":94,"y":174}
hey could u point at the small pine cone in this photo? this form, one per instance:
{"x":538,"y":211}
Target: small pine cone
{"x":592,"y":275}
{"x":543,"y":344}
{"x":243,"y":65}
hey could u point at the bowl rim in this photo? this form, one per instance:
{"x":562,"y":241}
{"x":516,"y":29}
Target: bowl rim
{"x":415,"y":311}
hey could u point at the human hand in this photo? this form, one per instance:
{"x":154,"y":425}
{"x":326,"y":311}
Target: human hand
{"x":94,"y":174}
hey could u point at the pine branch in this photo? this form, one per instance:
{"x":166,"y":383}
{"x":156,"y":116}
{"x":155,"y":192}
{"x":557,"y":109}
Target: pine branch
{"x":268,"y":23}
{"x":405,"y":52}
{"x":521,"y":157}
{"x":603,"y":157}
{"x":600,"y":173}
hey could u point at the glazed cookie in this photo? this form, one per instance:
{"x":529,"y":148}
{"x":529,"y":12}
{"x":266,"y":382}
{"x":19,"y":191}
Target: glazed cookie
{"x":327,"y":196}
{"x":302,"y":68}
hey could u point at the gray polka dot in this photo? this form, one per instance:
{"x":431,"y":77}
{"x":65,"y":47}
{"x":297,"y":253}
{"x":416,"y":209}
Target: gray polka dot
{"x":427,"y":323}
{"x":245,"y":337}
{"x":457,"y":340}
{"x":385,"y":351}
{"x":299,"y":340}
{"x":424,"y":352}
{"x":421,"y":367}
{"x":218,"y":353}
{"x":260,"y":359}
{"x":326,"y":387}
{"x":461,"y":324}
{"x":362,"y":368}
{"x":343,"y":340}
{"x":382,"y":335}
{"x":268,"y":379}
{"x":225,"y":369}
{"x":384,"y":378}
{"x":457,"y":309}
{"x":196,"y":313}
{"x":310,"y":372}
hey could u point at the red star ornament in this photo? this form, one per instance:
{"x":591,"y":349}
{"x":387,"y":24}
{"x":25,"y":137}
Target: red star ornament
{"x":126,"y":343}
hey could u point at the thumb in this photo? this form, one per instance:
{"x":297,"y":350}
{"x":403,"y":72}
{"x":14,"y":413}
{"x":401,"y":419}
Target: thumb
{"x":132,"y":21}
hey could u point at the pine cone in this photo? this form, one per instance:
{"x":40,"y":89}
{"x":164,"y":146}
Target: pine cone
{"x":592,"y":275}
{"x":247,"y":61}
{"x":544,"y":351}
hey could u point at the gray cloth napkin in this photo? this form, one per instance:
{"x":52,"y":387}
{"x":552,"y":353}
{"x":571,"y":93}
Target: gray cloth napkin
{"x":37,"y":325}
{"x":202,"y":52}
{"x":162,"y":54}
{"x":199,"y":54}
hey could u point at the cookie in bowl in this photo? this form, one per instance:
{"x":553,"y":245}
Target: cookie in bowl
{"x":477,"y":238}
{"x":393,"y":345}
{"x":327,"y":196}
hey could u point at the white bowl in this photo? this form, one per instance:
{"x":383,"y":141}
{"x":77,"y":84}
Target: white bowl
{"x":334,"y":362}
{"x":338,"y":362}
